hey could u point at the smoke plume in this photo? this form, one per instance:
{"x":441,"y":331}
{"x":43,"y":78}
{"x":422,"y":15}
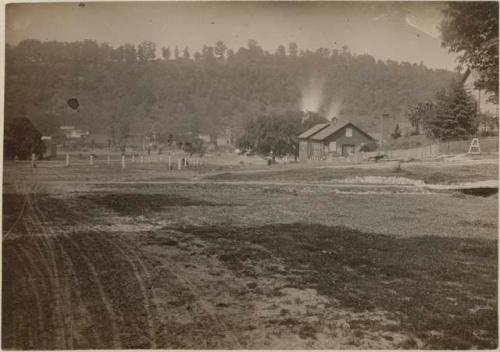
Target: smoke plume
{"x":312,"y":94}
{"x":334,"y":108}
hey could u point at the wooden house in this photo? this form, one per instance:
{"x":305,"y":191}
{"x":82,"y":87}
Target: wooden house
{"x":325,"y":140}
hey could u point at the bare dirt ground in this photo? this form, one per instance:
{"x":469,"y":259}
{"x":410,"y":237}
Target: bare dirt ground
{"x":140,"y":258}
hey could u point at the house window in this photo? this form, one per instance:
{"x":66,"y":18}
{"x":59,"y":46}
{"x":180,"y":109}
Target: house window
{"x":348,"y":132}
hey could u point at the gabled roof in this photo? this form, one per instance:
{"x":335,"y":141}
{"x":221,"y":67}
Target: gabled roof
{"x":313,"y":130}
{"x":331,"y":129}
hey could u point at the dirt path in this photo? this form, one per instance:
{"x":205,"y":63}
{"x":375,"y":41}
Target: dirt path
{"x":80,"y":274}
{"x":90,"y":288}
{"x":78,"y":285}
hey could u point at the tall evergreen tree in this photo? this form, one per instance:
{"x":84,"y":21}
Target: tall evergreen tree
{"x":453,"y":115}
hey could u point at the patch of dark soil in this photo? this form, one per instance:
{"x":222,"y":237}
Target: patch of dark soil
{"x":427,"y":283}
{"x":141,"y":204}
{"x":480,"y":191}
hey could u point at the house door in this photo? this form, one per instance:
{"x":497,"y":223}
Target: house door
{"x":347,"y":149}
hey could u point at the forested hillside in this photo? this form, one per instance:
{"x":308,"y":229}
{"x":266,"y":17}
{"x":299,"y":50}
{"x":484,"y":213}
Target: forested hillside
{"x":130,"y":90}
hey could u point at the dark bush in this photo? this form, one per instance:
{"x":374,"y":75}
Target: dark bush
{"x":24,"y":139}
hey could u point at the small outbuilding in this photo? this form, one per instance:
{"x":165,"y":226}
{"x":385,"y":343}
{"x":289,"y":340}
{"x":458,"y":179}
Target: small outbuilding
{"x":330,"y":139}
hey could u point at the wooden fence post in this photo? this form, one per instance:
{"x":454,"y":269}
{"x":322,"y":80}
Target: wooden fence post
{"x":107,"y":159}
{"x":67,"y":160}
{"x":123,"y":162}
{"x":91,"y":159}
{"x":179,"y":164}
{"x":33,"y":160}
{"x":169,"y":163}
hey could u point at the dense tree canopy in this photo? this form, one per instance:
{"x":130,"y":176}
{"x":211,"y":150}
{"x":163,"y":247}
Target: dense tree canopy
{"x":131,"y":89}
{"x":470,"y":28}
{"x":451,"y":115}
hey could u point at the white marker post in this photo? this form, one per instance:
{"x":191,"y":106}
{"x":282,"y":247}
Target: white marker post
{"x":67,"y":160}
{"x":33,"y":159}
{"x":179,"y":164}
{"x":91,"y":159}
{"x":123,"y":162}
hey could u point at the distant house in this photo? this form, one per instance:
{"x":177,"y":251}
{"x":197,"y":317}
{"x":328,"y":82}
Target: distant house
{"x":70,"y":132}
{"x":331,"y":139}
{"x":223,"y":140}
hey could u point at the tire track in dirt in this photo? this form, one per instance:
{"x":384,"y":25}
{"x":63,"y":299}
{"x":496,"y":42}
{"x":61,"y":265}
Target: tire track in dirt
{"x":5,"y":236}
{"x":37,"y":287}
{"x":58,"y":297}
{"x":58,"y":253}
{"x":56,"y":274}
{"x":204,"y":305}
{"x":131,"y":257}
{"x":91,"y":267}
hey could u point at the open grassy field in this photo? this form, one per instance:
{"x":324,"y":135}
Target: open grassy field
{"x":97,"y":257}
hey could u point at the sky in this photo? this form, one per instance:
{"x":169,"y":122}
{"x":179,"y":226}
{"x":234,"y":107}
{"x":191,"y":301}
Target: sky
{"x":400,"y":31}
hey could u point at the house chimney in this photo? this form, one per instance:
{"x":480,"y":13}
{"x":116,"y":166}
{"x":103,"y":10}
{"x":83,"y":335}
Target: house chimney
{"x":334,"y":120}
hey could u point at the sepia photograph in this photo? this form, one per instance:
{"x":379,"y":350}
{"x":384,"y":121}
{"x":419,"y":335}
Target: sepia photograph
{"x":250,"y":175}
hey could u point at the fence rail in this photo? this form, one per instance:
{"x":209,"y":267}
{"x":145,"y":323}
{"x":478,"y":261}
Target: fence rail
{"x":171,"y":163}
{"x":488,"y":145}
